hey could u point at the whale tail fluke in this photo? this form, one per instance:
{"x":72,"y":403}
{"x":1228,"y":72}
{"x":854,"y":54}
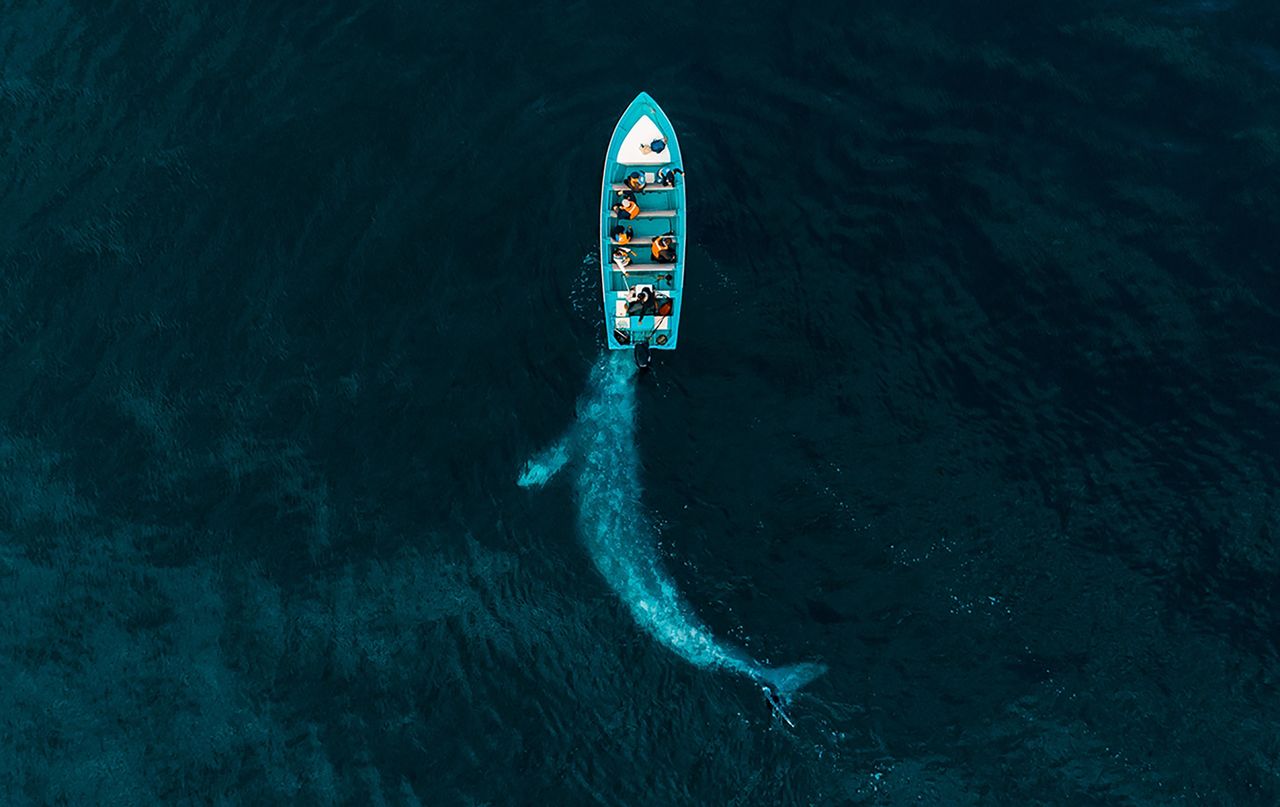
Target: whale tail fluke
{"x":792,"y":678}
{"x":544,"y":465}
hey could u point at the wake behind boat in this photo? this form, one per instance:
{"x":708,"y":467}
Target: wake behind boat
{"x":642,"y":232}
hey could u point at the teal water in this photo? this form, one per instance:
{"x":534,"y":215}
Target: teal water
{"x":975,"y":404}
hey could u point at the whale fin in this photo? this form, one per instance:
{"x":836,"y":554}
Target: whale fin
{"x":544,"y":465}
{"x":793,"y":677}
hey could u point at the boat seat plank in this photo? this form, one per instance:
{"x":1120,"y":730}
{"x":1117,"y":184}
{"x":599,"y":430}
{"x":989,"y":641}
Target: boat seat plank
{"x":622,"y":296}
{"x":642,"y":323}
{"x":650,"y":214}
{"x":651,"y":188}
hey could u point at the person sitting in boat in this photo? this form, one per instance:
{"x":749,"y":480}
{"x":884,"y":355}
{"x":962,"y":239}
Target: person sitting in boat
{"x":667,"y":176}
{"x":622,"y":257}
{"x":640,"y":302}
{"x":621,"y":234}
{"x":664,"y":248}
{"x":627,"y":208}
{"x":635,"y":181}
{"x":657,"y":146}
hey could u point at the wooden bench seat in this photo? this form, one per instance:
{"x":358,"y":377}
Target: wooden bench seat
{"x":649,"y":214}
{"x":646,"y":267}
{"x":652,"y":187}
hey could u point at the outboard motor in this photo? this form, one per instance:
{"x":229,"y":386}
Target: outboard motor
{"x":641,"y":355}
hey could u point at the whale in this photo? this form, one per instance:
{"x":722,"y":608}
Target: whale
{"x":600,"y":450}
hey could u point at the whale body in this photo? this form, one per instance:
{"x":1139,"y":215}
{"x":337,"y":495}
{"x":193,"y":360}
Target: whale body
{"x":622,"y":542}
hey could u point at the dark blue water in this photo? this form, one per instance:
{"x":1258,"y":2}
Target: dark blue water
{"x":976,"y":403}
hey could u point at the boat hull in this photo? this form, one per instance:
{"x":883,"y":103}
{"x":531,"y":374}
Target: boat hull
{"x":642,"y":291}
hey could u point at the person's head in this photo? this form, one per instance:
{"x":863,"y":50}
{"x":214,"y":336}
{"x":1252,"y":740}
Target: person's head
{"x":617,"y":230}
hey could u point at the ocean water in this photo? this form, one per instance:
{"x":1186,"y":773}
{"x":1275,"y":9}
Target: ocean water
{"x":975,"y":404}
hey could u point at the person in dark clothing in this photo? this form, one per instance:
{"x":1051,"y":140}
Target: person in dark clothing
{"x":655,"y":147}
{"x":667,"y":176}
{"x":641,"y":304}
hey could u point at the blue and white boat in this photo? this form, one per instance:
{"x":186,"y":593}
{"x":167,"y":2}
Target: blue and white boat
{"x":642,"y":192}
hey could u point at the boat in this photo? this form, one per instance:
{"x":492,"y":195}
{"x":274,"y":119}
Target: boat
{"x":643,"y":193}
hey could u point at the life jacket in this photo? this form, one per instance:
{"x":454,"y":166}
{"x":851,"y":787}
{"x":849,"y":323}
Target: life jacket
{"x":624,"y":237}
{"x":630,"y":208}
{"x":635,"y":181}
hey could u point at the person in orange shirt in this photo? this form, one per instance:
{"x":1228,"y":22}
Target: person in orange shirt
{"x":627,"y":208}
{"x":664,"y":248}
{"x":622,"y":235}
